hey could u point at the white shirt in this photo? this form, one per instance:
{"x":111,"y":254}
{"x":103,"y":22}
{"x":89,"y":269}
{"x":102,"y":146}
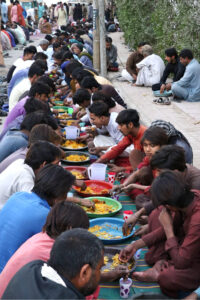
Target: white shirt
{"x":112,"y":128}
{"x":152,"y":68}
{"x":17,"y":177}
{"x":18,"y":90}
{"x":22,"y":64}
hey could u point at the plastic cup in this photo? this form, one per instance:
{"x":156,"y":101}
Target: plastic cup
{"x":111,"y":177}
{"x":127,"y":214}
{"x":97,"y":171}
{"x":72,"y":132}
{"x":125,"y":285}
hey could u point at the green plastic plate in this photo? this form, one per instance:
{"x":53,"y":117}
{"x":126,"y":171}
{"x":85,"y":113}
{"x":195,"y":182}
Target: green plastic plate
{"x":109,"y":201}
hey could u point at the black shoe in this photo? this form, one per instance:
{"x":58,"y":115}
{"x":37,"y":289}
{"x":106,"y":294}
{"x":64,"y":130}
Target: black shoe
{"x":3,"y":113}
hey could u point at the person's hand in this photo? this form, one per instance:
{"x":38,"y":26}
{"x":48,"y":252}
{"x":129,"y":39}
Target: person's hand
{"x":95,"y":150}
{"x":162,"y":88}
{"x":134,"y":76}
{"x":129,"y":224}
{"x":142,"y":230}
{"x":116,"y":189}
{"x":80,"y":114}
{"x":165,"y":218}
{"x":82,"y":138}
{"x":114,"y":168}
{"x":143,"y":220}
{"x":168,"y":86}
{"x":81,"y":184}
{"x":87,"y":203}
{"x":118,"y":272}
{"x":122,"y":175}
{"x":127,"y":253}
{"x":128,"y":188}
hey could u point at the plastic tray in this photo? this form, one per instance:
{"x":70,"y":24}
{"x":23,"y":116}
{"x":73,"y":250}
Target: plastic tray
{"x":112,"y":226}
{"x":115,"y":204}
{"x":97,"y":184}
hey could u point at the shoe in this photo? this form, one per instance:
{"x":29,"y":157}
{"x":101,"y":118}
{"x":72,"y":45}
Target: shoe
{"x":162,"y":101}
{"x":3,"y":113}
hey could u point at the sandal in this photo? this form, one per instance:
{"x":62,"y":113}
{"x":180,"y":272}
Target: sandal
{"x":162,"y":101}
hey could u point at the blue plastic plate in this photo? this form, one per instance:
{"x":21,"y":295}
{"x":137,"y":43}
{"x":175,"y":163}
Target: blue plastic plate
{"x":164,"y":94}
{"x":112,"y":227}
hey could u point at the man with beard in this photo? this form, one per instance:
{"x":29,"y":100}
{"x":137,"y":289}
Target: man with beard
{"x":67,"y":274}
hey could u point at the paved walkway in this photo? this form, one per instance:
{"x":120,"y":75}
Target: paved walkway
{"x":184,"y":116}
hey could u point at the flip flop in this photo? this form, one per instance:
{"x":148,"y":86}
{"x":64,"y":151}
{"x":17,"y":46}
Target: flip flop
{"x":162,"y":101}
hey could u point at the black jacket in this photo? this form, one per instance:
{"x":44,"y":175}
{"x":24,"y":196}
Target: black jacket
{"x":28,"y":283}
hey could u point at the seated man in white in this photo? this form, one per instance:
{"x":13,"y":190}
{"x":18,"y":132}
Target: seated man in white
{"x":151,"y":68}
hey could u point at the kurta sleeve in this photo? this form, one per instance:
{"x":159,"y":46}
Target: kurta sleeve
{"x":183,"y":255}
{"x":117,"y":150}
{"x":154,"y":237}
{"x":185,"y":81}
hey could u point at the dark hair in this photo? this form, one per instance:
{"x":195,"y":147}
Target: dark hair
{"x":41,"y":63}
{"x":89,"y":82}
{"x":108,"y":39}
{"x":58,"y":55}
{"x":40,"y":55}
{"x":35,"y":70}
{"x":71,"y":66}
{"x":43,"y":132}
{"x":80,"y":73}
{"x":169,"y":157}
{"x":67,"y":55}
{"x":63,"y":216}
{"x":170,"y":189}
{"x":98,"y":96}
{"x":33,"y":105}
{"x":156,"y":136}
{"x":40,"y":152}
{"x":171,"y":52}
{"x":38,"y":117}
{"x":53,"y":182}
{"x":33,"y":49}
{"x":39,"y":88}
{"x":129,"y":116}
{"x":142,"y":44}
{"x":99,"y":109}
{"x":80,"y":96}
{"x":47,"y":81}
{"x":29,"y":50}
{"x":186,"y":53}
{"x":87,"y":249}
{"x":48,"y":37}
{"x":56,"y":45}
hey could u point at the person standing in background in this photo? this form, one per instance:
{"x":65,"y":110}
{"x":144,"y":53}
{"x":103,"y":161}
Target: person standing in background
{"x":41,"y":10}
{"x":9,"y":11}
{"x":4,"y":11}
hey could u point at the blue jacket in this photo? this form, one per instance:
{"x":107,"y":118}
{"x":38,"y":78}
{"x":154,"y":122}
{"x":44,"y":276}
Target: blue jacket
{"x":23,"y":215}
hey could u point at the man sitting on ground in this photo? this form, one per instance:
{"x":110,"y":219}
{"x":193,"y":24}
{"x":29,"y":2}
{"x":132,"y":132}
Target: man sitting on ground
{"x":64,"y":275}
{"x":151,"y":68}
{"x":129,"y":124}
{"x":174,"y":66}
{"x":188,"y":87}
{"x":102,"y":119}
{"x":33,"y":74}
{"x":111,"y":54}
{"x":131,"y":71}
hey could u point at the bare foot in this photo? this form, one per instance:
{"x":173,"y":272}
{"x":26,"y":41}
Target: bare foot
{"x":150,"y":275}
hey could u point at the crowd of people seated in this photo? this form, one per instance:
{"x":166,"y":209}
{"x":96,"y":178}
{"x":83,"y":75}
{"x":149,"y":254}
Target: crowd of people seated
{"x":41,"y":223}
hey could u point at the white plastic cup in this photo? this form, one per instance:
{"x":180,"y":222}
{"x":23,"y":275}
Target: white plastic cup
{"x":97,"y":171}
{"x":127,"y":214}
{"x":72,"y":132}
{"x":125,"y":286}
{"x":111,"y":177}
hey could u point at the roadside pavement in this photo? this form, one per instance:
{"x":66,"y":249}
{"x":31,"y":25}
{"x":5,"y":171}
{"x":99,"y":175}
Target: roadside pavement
{"x":185,"y":116}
